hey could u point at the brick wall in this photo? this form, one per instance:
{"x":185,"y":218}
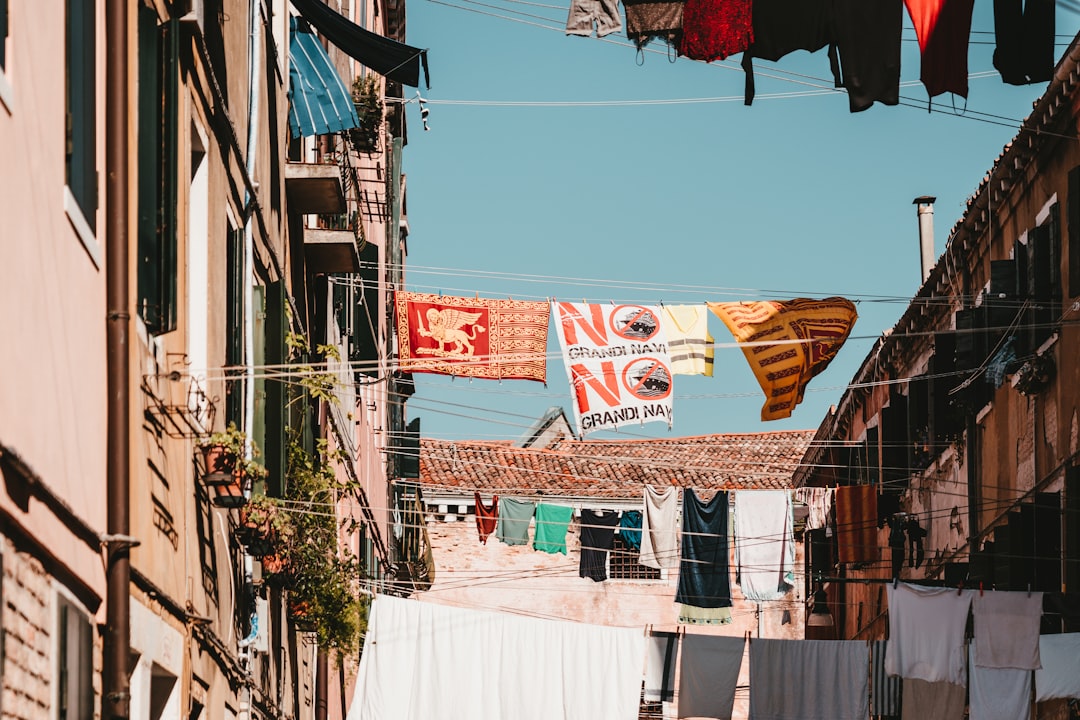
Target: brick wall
{"x":27,"y":624}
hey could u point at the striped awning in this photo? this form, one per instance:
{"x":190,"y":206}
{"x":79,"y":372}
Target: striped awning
{"x":319,"y":102}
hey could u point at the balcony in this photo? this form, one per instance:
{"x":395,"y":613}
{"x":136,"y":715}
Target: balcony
{"x":314,"y":188}
{"x":331,"y":251}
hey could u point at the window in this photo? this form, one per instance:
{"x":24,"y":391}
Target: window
{"x":157,"y":148}
{"x":81,"y":120}
{"x":74,"y":662}
{"x":3,"y":33}
{"x":623,"y":563}
{"x":234,"y":325}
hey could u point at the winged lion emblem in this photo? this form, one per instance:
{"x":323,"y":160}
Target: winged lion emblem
{"x":446,"y":327}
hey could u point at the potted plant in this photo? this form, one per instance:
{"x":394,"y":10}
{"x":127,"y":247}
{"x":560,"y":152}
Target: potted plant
{"x":228,"y":469}
{"x":265,"y":528}
{"x":369,"y":109}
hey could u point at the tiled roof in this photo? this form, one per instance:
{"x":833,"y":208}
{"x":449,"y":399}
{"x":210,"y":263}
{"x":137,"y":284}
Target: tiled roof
{"x":616,"y":468}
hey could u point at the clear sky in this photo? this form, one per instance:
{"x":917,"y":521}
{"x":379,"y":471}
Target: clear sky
{"x":679,"y":202}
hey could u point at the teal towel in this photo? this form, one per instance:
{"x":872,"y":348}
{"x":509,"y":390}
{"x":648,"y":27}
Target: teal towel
{"x":551,"y":524}
{"x":514,"y":518}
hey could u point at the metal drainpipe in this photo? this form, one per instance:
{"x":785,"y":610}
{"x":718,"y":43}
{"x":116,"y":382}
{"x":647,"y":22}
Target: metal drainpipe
{"x":116,"y":695}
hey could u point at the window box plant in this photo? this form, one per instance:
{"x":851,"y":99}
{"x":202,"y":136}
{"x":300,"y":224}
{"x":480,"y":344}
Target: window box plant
{"x":227,"y":468}
{"x":369,"y":109}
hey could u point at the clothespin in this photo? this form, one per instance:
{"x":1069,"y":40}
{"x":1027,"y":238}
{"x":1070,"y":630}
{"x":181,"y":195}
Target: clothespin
{"x":896,"y":582}
{"x":960,"y":588}
{"x":1029,"y":589}
{"x":980,"y":588}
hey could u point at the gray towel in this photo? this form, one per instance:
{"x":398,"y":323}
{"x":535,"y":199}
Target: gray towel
{"x":809,"y":680}
{"x":514,"y":519}
{"x":709,"y":671}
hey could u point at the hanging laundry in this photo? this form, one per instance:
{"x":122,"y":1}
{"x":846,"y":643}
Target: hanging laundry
{"x":818,"y":501}
{"x":1059,"y":676}
{"x":617,"y":360}
{"x":659,"y":533}
{"x":1024,"y":30}
{"x":630,"y":529}
{"x":689,"y":342}
{"x":1007,"y":629}
{"x":865,"y":51}
{"x":764,"y":544}
{"x":884,"y":688}
{"x":551,"y":524}
{"x":856,"y":518}
{"x":926,"y":633}
{"x":714,"y":29}
{"x":648,"y":19}
{"x":597,"y":539}
{"x":915,"y":535}
{"x":703,"y":570}
{"x":896,"y":544}
{"x":472,"y":337}
{"x":996,"y":693}
{"x":924,"y":700}
{"x":422,"y":660}
{"x":585,"y":14}
{"x":661,"y":649}
{"x":808,"y":334}
{"x":690,"y":615}
{"x":514,"y":519}
{"x":709,"y":672}
{"x":803,"y":679}
{"x":487,"y":516}
{"x":782,"y":27}
{"x":1002,"y":363}
{"x":942,"y":28}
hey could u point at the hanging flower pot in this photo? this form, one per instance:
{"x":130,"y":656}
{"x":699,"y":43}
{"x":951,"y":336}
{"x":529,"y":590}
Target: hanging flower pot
{"x":274,"y":568}
{"x":225,"y":469}
{"x":300,"y":613}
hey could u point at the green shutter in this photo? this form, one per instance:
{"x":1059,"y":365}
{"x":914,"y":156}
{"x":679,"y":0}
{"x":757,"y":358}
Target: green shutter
{"x":81,"y":146}
{"x":157,"y":155}
{"x":258,"y":424}
{"x":234,"y":327}
{"x":276,"y":391}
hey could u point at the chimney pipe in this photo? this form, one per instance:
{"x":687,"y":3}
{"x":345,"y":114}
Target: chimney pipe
{"x":926,"y":233}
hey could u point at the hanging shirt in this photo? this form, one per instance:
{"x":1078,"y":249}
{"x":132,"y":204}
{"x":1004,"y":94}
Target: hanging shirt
{"x":487,"y":516}
{"x":926,"y":633}
{"x":942,"y":28}
{"x":764,"y":544}
{"x":996,"y":693}
{"x":866,"y":50}
{"x":630,"y":528}
{"x":714,"y":29}
{"x":703,"y":570}
{"x":514,"y":519}
{"x":818,"y":501}
{"x":1007,"y":629}
{"x":689,"y":343}
{"x":782,"y":27}
{"x":1024,"y":30}
{"x":648,"y":19}
{"x":659,"y":533}
{"x":597,"y":538}
{"x":551,"y":524}
{"x":709,"y":672}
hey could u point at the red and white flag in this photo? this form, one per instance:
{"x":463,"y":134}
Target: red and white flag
{"x":618,"y":362}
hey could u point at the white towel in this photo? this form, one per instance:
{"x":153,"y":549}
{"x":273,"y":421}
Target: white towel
{"x":659,"y":535}
{"x":1060,"y":673}
{"x":764,"y":546}
{"x":661,"y":649}
{"x":998,"y":694}
{"x":709,"y":672}
{"x":423,"y":661}
{"x":1007,"y":629}
{"x":926,"y":633}
{"x":809,"y":680}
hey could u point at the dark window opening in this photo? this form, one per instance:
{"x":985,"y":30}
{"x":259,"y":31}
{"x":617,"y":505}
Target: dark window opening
{"x":1073,"y":218}
{"x":623,"y":563}
{"x":81,"y":117}
{"x":157,"y":148}
{"x":3,"y":33}
{"x":234,"y":327}
{"x":75,"y":662}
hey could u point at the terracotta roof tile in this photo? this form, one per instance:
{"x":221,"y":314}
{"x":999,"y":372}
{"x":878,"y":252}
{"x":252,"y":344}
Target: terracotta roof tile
{"x":616,"y":468}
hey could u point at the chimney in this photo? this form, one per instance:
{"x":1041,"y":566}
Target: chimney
{"x":926,"y":232}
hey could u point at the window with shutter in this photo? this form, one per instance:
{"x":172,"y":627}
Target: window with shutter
{"x":1073,"y":217}
{"x":81,"y":121}
{"x":3,"y":33}
{"x":74,"y":662}
{"x":234,"y":326}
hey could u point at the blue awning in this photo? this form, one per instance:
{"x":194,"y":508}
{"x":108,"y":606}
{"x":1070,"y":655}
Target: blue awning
{"x":319,"y":101}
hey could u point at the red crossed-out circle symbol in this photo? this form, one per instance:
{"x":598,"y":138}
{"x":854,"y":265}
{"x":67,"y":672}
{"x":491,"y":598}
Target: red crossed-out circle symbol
{"x":647,"y":379}
{"x":634,"y":322}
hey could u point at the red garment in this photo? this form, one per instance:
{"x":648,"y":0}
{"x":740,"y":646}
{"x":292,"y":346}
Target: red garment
{"x":486,"y":517}
{"x":943,"y":27}
{"x":714,"y":29}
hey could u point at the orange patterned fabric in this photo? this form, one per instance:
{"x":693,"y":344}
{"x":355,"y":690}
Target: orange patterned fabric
{"x":787,"y":343}
{"x":472,"y":337}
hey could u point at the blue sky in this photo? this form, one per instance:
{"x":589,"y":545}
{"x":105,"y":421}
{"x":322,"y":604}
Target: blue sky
{"x":679,"y":203}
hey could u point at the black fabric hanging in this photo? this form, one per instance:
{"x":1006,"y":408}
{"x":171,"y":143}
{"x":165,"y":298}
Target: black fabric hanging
{"x":703,"y":570}
{"x":1025,"y":40}
{"x":865,"y":51}
{"x":394,"y":60}
{"x":782,"y":27}
{"x":597,"y":538}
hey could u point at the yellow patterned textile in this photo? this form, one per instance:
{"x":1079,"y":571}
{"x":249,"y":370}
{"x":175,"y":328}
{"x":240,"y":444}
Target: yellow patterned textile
{"x":472,"y":337}
{"x":787,"y":342}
